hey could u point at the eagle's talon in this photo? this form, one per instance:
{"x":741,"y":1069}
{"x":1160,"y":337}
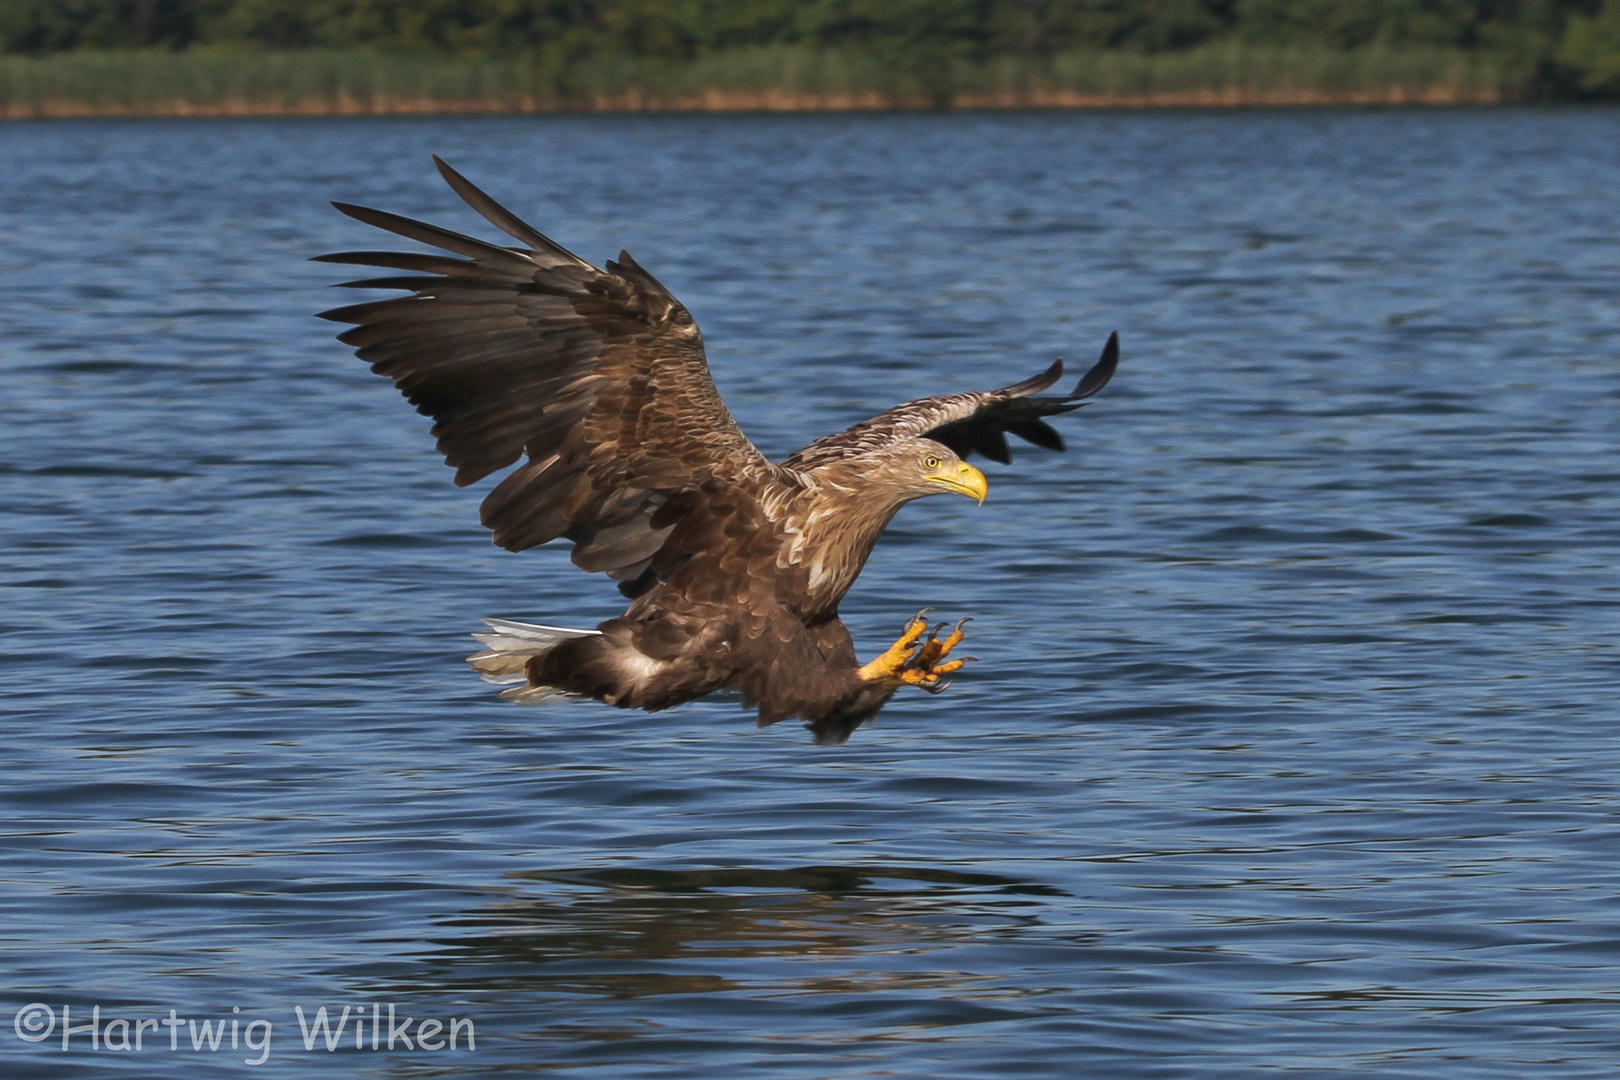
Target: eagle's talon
{"x":924,"y":668}
{"x":936,"y":649}
{"x":900,"y":657}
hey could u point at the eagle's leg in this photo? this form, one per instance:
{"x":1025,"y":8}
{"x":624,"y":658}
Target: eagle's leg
{"x":906,"y":663}
{"x":913,"y":660}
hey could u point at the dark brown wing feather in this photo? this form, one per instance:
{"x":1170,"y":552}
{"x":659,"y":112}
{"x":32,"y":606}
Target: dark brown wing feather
{"x":599,"y":377}
{"x":969,"y":423}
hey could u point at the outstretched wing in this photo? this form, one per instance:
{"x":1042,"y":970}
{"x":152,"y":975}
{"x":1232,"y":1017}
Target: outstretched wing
{"x":597,"y":376}
{"x":969,"y":423}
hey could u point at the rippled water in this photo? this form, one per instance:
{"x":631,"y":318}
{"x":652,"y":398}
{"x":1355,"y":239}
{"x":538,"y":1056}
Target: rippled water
{"x":1292,"y":746}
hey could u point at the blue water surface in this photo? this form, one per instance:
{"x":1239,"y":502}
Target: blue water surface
{"x":1291,"y":748}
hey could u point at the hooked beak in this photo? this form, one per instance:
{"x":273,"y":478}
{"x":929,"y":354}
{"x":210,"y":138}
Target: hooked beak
{"x":967,"y":481}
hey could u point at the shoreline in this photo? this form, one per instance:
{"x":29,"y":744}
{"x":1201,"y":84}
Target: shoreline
{"x":768,"y":101}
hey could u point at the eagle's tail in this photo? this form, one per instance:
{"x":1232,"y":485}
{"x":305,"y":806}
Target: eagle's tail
{"x":509,"y":646}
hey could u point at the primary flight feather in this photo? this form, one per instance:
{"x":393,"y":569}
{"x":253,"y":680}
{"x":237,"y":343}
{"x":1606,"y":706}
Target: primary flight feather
{"x":593,"y":382}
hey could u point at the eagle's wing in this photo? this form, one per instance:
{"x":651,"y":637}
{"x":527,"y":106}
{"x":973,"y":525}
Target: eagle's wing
{"x":597,"y":376}
{"x":969,"y":423}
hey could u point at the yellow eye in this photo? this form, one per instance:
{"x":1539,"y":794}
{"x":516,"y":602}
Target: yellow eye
{"x":931,"y":461}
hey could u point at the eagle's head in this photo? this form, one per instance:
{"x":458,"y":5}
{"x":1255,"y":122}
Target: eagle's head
{"x":913,"y":468}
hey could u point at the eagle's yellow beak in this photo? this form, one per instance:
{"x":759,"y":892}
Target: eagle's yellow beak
{"x":965,"y":480}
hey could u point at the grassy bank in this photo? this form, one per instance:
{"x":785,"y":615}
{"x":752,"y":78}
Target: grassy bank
{"x":204,"y":82}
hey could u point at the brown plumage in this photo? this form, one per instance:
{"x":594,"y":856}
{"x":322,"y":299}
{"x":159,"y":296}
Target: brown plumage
{"x":734,"y":566}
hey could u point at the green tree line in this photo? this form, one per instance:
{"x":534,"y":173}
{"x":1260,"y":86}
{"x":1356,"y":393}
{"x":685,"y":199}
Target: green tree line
{"x":1562,"y":47}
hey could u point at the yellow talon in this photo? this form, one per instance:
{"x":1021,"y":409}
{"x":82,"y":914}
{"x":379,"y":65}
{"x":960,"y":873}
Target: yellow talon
{"x":906,"y":663}
{"x":935,"y":650}
{"x":895,"y":657}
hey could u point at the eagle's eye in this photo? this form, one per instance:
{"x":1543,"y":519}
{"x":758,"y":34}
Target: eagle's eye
{"x":931,"y":461}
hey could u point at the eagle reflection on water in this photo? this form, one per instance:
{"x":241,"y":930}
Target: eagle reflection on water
{"x":634,"y":932}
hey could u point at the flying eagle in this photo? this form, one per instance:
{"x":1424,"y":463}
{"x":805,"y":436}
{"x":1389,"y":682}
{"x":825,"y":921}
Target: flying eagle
{"x":734,"y":566}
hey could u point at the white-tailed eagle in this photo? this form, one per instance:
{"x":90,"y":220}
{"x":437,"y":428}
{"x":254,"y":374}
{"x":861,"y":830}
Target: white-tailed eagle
{"x":593,"y":382}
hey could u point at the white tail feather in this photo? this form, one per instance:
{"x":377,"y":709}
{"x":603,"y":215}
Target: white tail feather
{"x":509,"y":646}
{"x":534,"y":695}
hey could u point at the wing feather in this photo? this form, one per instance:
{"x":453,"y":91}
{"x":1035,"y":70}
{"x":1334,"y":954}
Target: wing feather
{"x":506,"y":221}
{"x":597,"y":376}
{"x":487,"y":255}
{"x":969,"y":423}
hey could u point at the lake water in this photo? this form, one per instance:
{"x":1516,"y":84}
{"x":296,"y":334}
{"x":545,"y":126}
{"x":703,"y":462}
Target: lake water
{"x":1293,"y":744}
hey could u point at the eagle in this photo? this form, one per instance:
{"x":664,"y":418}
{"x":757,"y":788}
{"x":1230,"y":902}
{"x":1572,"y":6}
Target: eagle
{"x":593,"y":382}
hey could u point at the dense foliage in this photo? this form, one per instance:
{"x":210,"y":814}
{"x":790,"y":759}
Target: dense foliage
{"x":1564,"y":46}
